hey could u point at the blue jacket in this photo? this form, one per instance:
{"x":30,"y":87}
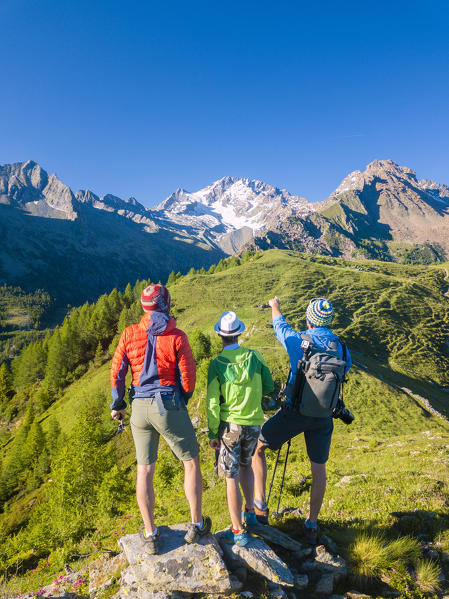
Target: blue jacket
{"x":291,"y":340}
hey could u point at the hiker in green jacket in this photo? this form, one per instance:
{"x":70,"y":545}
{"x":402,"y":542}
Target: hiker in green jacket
{"x":237,"y":380}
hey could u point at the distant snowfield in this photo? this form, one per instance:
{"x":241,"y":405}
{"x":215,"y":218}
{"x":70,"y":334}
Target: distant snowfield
{"x":231,"y":204}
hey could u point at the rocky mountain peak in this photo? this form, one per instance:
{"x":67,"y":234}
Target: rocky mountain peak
{"x":28,"y":186}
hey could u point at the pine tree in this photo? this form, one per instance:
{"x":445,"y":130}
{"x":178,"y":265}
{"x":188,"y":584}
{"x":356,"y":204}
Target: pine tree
{"x":53,"y":437}
{"x":115,"y":302}
{"x":55,"y":371}
{"x":128,"y":296}
{"x":99,"y":356}
{"x":171,"y":278}
{"x":6,"y":389}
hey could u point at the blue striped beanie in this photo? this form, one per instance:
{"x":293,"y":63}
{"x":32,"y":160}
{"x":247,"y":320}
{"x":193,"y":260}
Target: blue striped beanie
{"x":319,"y":312}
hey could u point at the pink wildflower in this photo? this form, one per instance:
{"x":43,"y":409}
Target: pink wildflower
{"x":40,"y":592}
{"x":115,"y":532}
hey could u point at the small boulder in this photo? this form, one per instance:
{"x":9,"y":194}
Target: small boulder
{"x":300,"y":581}
{"x":277,"y":593}
{"x":325,"y":585}
{"x":329,"y":544}
{"x":325,"y":562}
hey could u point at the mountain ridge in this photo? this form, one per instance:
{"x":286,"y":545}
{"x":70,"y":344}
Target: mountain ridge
{"x":55,"y":238}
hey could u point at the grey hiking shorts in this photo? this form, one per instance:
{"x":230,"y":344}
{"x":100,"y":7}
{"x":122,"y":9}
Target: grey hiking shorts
{"x":174,"y":424}
{"x":288,"y":423}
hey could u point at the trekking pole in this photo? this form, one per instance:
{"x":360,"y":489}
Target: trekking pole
{"x":283,"y":476}
{"x":274,"y":472}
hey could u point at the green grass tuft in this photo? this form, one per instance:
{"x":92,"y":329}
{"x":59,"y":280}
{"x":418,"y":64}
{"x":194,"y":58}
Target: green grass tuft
{"x":368,"y":556}
{"x":428,"y":576}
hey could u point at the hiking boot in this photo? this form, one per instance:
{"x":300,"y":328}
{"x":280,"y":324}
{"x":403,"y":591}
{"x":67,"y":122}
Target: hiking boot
{"x":240,"y":538}
{"x":262,"y":515}
{"x":311,"y":534}
{"x":194,"y":534}
{"x":151,"y":543}
{"x":249,"y":518}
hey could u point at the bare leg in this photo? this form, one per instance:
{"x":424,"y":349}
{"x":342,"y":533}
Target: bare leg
{"x":247,"y":484}
{"x":318,"y":489}
{"x":145,"y":494}
{"x":193,"y":487}
{"x":259,"y":465}
{"x":234,"y":502}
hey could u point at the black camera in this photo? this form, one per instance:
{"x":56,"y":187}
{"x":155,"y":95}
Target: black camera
{"x":341,"y":412}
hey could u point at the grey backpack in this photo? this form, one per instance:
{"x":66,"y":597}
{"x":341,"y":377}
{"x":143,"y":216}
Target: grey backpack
{"x":319,"y":377}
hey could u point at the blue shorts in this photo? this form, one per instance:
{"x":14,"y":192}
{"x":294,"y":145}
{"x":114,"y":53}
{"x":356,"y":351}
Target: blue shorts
{"x":288,"y":423}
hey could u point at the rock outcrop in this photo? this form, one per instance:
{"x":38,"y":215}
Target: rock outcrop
{"x":197,"y":568}
{"x":212,"y":568}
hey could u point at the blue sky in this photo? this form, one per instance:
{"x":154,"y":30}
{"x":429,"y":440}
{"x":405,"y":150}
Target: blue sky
{"x":139,"y":98}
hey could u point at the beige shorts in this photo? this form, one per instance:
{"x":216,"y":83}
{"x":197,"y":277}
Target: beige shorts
{"x":149,"y":421}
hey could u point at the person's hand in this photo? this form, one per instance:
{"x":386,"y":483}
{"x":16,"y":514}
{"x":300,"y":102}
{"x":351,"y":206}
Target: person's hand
{"x":275,"y":306}
{"x":118,"y":414}
{"x":274,"y":302}
{"x":215,"y":444}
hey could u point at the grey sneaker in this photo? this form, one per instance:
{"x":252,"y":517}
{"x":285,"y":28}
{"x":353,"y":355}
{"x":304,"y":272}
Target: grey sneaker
{"x":151,"y":543}
{"x":194,"y":534}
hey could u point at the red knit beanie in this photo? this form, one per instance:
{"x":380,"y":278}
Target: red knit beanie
{"x":155,"y":297}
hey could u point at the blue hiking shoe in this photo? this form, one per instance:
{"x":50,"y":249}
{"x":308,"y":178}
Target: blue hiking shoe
{"x":249,"y":518}
{"x":240,"y":538}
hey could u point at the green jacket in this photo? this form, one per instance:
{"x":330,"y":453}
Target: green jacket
{"x":240,"y":377}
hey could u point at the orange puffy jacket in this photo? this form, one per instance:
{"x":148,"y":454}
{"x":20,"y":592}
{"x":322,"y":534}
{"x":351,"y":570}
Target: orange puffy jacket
{"x":160,"y":358}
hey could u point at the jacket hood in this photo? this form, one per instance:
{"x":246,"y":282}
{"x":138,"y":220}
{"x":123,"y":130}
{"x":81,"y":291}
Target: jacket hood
{"x":157,"y":323}
{"x":321,"y":336}
{"x":237,"y":369}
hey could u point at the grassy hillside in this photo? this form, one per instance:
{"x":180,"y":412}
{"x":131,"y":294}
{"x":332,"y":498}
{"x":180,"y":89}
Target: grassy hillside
{"x":388,"y":472}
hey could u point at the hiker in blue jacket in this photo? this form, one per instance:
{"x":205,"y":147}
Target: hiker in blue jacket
{"x":289,"y":422}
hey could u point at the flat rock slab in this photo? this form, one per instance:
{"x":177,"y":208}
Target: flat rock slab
{"x":277,"y":537}
{"x":259,"y":558}
{"x":195,"y":568}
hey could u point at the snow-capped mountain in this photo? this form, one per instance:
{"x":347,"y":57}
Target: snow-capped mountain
{"x":231,"y":210}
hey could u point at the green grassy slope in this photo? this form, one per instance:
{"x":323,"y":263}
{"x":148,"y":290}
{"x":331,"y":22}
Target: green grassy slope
{"x":388,"y":472}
